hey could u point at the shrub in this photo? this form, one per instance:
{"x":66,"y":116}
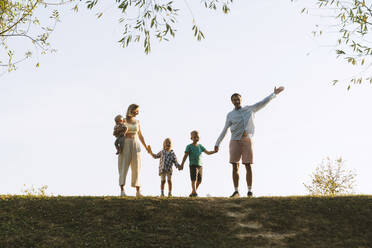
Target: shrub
{"x":331,"y":178}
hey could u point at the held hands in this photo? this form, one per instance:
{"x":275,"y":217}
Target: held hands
{"x":148,"y":148}
{"x":278,"y":90}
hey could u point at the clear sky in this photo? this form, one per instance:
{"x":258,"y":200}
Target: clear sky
{"x":57,"y":121}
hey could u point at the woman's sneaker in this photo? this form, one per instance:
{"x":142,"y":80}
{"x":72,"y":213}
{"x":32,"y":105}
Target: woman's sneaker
{"x":122,"y":193}
{"x":235,"y":194}
{"x":250,"y":194}
{"x":138,"y":194}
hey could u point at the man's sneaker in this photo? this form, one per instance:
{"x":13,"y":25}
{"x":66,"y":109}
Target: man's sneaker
{"x":169,"y":194}
{"x":235,"y":194}
{"x":162,"y":194}
{"x":250,"y":194}
{"x":193,"y":195}
{"x":138,"y":194}
{"x":122,"y":193}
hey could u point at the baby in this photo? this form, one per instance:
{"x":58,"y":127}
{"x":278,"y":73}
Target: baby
{"x":119,"y":132}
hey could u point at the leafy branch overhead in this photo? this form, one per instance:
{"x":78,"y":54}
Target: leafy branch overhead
{"x":18,"y":22}
{"x":144,"y":19}
{"x":352,"y":22}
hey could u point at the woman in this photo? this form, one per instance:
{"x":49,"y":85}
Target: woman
{"x":130,"y":156}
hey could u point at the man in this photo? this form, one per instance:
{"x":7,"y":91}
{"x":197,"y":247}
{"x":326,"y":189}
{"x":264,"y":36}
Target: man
{"x":240,"y":122}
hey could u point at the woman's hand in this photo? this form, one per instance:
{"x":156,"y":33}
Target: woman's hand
{"x":148,"y":148}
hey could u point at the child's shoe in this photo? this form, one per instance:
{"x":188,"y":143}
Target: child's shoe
{"x":193,"y":195}
{"x":169,"y":194}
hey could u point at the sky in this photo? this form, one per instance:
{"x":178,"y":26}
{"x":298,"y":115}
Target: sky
{"x":57,"y":120}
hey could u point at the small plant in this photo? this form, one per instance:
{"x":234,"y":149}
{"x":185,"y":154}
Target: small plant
{"x":331,"y":178}
{"x":32,"y":191}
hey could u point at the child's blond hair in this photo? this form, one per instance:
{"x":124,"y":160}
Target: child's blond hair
{"x":170,"y":141}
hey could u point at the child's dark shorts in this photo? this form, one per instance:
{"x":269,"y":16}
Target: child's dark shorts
{"x":196,"y":171}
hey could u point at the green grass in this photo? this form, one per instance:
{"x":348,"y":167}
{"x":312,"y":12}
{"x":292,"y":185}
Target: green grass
{"x":27,"y":221}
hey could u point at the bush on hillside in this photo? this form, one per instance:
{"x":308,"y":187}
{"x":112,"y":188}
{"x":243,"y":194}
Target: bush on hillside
{"x":331,"y":178}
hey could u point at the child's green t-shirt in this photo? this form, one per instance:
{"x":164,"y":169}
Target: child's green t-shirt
{"x":195,"y":154}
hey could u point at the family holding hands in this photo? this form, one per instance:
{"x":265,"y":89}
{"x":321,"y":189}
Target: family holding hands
{"x":240,"y":121}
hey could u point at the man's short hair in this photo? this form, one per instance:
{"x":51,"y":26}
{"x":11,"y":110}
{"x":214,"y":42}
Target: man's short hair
{"x":235,"y":94}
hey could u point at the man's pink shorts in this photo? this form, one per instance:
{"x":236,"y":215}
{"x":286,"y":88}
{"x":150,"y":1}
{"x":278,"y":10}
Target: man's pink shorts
{"x":241,"y":149}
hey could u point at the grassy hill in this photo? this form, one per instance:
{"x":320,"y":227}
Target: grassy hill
{"x":183,"y":222}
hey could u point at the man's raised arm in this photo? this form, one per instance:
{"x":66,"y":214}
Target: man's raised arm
{"x":264,"y":102}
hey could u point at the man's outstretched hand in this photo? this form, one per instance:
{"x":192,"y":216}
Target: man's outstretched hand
{"x":278,"y":90}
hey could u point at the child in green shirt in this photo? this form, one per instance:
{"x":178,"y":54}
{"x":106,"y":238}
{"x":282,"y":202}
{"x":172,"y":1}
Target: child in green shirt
{"x":194,"y":151}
